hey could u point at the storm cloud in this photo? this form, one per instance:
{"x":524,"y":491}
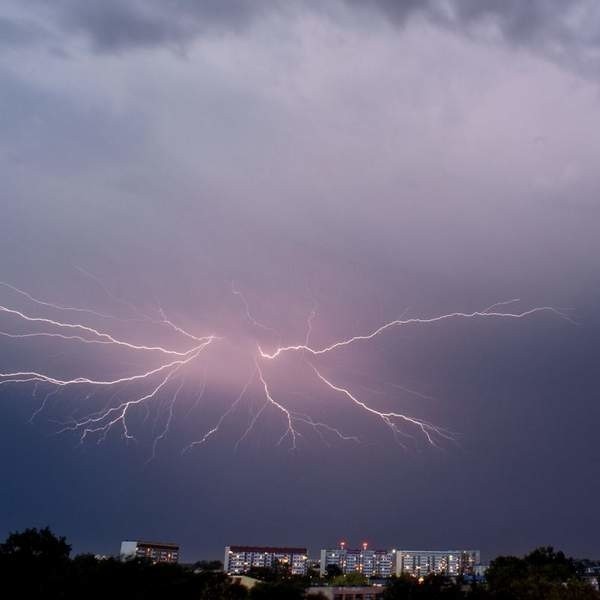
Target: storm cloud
{"x":564,"y":30}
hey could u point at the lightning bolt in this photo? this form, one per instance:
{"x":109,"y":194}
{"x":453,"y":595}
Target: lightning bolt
{"x":216,"y":428}
{"x":389,"y":418}
{"x":412,"y":321}
{"x":167,"y":425}
{"x":149,"y":386}
{"x":100,"y":337}
{"x":106,"y":420}
{"x":247,"y":314}
{"x":289,"y":418}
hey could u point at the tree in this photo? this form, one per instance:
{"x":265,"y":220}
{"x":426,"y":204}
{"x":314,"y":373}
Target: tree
{"x":401,"y":588}
{"x":208,"y":565}
{"x":37,"y":564}
{"x":545,"y":562}
{"x":350,"y":579}
{"x":332,"y":571}
{"x":279,"y":590}
{"x":262,"y":573}
{"x":504,"y":573}
{"x":541,"y":575}
{"x":36,"y":544}
{"x":433,"y":587}
{"x":36,"y":561}
{"x":281,"y":569}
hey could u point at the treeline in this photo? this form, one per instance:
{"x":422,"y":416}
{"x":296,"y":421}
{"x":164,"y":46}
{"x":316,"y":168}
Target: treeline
{"x":37,"y":564}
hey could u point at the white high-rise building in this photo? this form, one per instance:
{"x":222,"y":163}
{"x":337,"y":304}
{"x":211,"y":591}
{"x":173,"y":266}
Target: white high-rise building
{"x":240,"y":559}
{"x":371,"y":563}
{"x":420,"y":563}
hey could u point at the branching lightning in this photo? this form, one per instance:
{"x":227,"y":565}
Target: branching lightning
{"x":389,"y":418}
{"x":167,"y":363}
{"x":416,"y":321}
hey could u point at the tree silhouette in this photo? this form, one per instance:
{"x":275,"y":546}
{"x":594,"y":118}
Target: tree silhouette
{"x":36,"y":561}
{"x":541,"y":575}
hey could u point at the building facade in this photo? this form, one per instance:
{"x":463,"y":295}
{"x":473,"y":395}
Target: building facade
{"x":155,"y":551}
{"x":420,"y":563}
{"x":347,"y":593}
{"x":371,"y":563}
{"x":240,"y":559}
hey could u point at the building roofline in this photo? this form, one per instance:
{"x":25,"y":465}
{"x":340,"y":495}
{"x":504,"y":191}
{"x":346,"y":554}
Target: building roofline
{"x":151,"y":543}
{"x":268,"y":549}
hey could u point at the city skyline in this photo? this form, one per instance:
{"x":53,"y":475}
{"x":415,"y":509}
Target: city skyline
{"x":280,"y":272}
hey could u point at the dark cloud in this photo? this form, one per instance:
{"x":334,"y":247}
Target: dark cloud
{"x":563,"y":25}
{"x":115,"y":26}
{"x":523,"y":21}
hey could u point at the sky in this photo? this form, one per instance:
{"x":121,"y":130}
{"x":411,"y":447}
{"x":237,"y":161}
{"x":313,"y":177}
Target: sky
{"x":280,"y":174}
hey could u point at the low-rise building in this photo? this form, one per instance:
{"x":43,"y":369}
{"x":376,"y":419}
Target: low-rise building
{"x":347,"y":592}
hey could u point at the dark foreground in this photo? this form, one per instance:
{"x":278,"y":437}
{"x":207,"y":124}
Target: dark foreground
{"x":37,"y":564}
